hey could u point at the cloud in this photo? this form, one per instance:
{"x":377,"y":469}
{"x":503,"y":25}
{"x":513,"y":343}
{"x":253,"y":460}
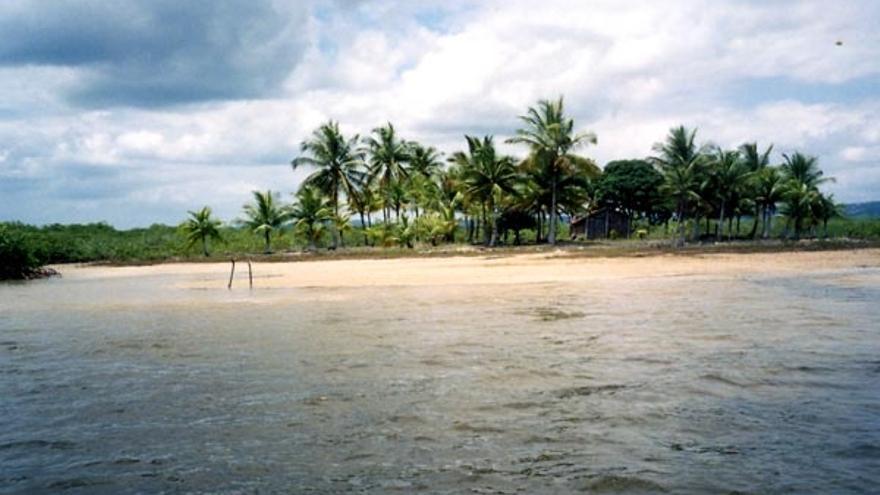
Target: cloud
{"x":134,"y":112}
{"x":156,"y":53}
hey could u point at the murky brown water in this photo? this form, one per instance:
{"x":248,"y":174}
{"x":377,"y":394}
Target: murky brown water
{"x":677,"y":384}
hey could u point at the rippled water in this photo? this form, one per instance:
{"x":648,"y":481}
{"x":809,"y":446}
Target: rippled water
{"x":678,"y":384}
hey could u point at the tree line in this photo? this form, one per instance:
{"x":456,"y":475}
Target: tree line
{"x":398,"y":192}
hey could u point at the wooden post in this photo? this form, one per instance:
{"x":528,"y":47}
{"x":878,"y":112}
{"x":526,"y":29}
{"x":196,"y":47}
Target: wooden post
{"x":250,"y":274}
{"x":231,"y":274}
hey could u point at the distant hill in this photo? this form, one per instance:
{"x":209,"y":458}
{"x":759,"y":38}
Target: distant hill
{"x":863,"y":210}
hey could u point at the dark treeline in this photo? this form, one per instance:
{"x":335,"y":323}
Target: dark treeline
{"x":383,"y":190}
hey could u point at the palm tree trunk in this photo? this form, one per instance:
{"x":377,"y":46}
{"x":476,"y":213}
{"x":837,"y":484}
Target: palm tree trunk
{"x":336,"y":233}
{"x":551,"y":236}
{"x":493,"y":239}
{"x":487,"y":230}
{"x":720,"y":222}
{"x":205,"y":245}
{"x":311,"y":234}
{"x":364,"y":228}
{"x":680,"y":241}
{"x":754,"y":232}
{"x":268,"y":242}
{"x":539,"y":234}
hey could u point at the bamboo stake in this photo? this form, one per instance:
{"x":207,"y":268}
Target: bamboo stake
{"x":231,"y":274}
{"x":250,"y":274}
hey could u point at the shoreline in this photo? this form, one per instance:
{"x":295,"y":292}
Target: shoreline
{"x":490,"y":268}
{"x":592,"y":249}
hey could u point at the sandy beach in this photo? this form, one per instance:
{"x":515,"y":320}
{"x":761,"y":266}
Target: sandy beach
{"x":551,"y":267}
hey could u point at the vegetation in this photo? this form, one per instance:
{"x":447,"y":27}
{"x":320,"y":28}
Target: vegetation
{"x":550,"y":136}
{"x":201,"y":227}
{"x":686,"y":192}
{"x":18,"y":255}
{"x":265,"y":216}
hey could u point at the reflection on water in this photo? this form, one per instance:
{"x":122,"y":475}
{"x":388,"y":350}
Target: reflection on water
{"x":680,"y":384}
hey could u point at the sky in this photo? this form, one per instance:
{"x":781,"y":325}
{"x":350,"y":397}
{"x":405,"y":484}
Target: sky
{"x":133,"y":112}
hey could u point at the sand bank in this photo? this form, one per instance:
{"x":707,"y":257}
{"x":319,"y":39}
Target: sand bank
{"x":548,"y":267}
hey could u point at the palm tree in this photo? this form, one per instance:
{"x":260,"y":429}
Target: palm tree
{"x":770,"y":188}
{"x":486,"y":176}
{"x":799,"y":199}
{"x":358,"y":200}
{"x":424,"y":165}
{"x":550,"y":136}
{"x":680,"y":161}
{"x":310,"y":212}
{"x":803,"y":177}
{"x":265,"y":216}
{"x":824,"y":209}
{"x":756,"y":162}
{"x":388,"y":157}
{"x":424,"y":160}
{"x":728,"y":172}
{"x":803,"y":169}
{"x":338,"y":162}
{"x":200,"y":227}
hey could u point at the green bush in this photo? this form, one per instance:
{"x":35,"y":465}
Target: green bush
{"x":18,"y":257}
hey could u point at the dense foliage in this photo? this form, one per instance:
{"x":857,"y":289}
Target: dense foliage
{"x":18,"y":257}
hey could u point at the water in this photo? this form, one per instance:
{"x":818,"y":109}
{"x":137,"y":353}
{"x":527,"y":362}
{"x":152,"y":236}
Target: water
{"x":678,"y":384}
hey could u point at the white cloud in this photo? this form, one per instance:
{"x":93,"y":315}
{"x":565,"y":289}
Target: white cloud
{"x":628,"y":72}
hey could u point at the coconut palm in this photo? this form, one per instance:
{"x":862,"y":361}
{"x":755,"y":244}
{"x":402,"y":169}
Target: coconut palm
{"x":388,"y":159}
{"x":311,"y":211}
{"x":680,"y":161}
{"x":200,"y":227}
{"x":798,"y":201}
{"x":824,"y":209}
{"x":424,"y":160}
{"x":728,"y":173}
{"x":265,"y":216}
{"x":755,"y":161}
{"x":803,"y":169}
{"x":358,"y":200}
{"x":803,"y":177}
{"x":770,"y":188}
{"x":486,"y":176}
{"x":338,"y":162}
{"x":550,"y":135}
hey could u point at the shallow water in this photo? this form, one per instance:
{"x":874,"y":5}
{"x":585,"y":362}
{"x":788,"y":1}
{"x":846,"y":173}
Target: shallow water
{"x":676,"y":384}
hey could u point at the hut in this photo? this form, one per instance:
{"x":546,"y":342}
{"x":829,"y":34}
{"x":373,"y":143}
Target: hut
{"x":601,"y":224}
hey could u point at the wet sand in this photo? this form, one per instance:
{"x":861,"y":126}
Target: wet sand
{"x":552,"y":267}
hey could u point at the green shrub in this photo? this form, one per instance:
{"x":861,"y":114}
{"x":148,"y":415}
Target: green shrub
{"x":18,"y":257}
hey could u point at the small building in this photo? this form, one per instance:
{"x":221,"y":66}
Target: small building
{"x":601,"y":224}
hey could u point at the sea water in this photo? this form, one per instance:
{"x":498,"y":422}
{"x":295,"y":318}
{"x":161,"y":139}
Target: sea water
{"x":688,"y":384}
